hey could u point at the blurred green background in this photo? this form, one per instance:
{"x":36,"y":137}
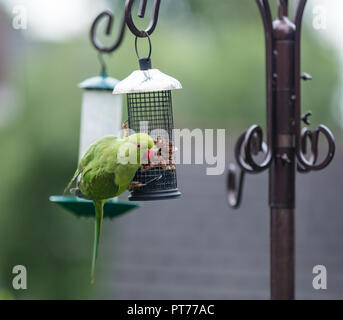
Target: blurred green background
{"x":216,"y":49}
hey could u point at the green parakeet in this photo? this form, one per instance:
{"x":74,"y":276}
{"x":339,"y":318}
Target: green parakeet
{"x":107,"y":170}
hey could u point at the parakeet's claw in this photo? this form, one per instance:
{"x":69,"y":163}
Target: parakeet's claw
{"x":78,"y":193}
{"x":76,"y":174}
{"x":126,"y":128}
{"x":135,"y":185}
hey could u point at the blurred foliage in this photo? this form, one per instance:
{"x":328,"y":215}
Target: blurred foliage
{"x":6,"y":295}
{"x":41,"y":150}
{"x":216,"y":49}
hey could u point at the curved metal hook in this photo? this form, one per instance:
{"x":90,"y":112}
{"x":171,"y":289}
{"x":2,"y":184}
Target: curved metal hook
{"x":254,"y":136}
{"x":141,"y":13}
{"x":299,"y":12}
{"x":267,"y":19}
{"x":305,"y":136}
{"x":110,"y":19}
{"x":306,"y":165}
{"x":264,"y":8}
{"x":248,"y":144}
{"x":298,"y":15}
{"x":234,"y":191}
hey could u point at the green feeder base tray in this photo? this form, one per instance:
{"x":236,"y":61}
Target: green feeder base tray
{"x":85,"y":208}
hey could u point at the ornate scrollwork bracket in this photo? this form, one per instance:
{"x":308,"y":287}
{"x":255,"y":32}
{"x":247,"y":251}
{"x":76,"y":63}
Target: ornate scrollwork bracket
{"x":250,"y":143}
{"x":248,"y":146}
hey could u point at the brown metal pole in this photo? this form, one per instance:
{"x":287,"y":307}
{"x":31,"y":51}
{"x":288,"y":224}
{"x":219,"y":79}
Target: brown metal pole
{"x":282,"y":254}
{"x":282,"y":169}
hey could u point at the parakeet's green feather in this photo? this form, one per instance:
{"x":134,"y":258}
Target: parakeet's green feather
{"x":104,"y":177}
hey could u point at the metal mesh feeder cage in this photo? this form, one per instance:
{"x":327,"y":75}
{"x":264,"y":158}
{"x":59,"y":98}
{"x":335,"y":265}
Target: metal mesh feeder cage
{"x":149,"y":105}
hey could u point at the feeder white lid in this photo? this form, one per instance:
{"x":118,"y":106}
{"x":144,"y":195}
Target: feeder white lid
{"x":146,"y":81}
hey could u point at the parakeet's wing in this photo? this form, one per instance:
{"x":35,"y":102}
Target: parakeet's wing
{"x":90,"y":156}
{"x":98,"y":184}
{"x":96,"y":148}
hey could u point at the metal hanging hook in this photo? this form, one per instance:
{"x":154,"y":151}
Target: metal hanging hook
{"x":141,"y":13}
{"x":235,"y":179}
{"x":110,"y":20}
{"x":150,"y":47}
{"x":102,"y":64}
{"x":234,"y":187}
{"x":249,"y":144}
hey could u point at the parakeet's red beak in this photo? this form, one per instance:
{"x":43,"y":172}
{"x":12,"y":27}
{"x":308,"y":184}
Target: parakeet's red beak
{"x":150,"y":155}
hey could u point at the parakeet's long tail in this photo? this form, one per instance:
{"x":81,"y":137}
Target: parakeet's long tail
{"x":76,"y":174}
{"x":99,"y":213}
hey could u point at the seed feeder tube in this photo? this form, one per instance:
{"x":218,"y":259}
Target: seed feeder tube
{"x":101,"y":112}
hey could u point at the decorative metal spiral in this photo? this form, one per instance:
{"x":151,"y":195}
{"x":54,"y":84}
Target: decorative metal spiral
{"x":307,"y":165}
{"x":248,"y":146}
{"x":141,"y":13}
{"x":110,"y":20}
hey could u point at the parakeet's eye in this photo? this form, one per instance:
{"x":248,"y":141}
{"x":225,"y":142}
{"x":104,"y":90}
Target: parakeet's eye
{"x":138,"y":146}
